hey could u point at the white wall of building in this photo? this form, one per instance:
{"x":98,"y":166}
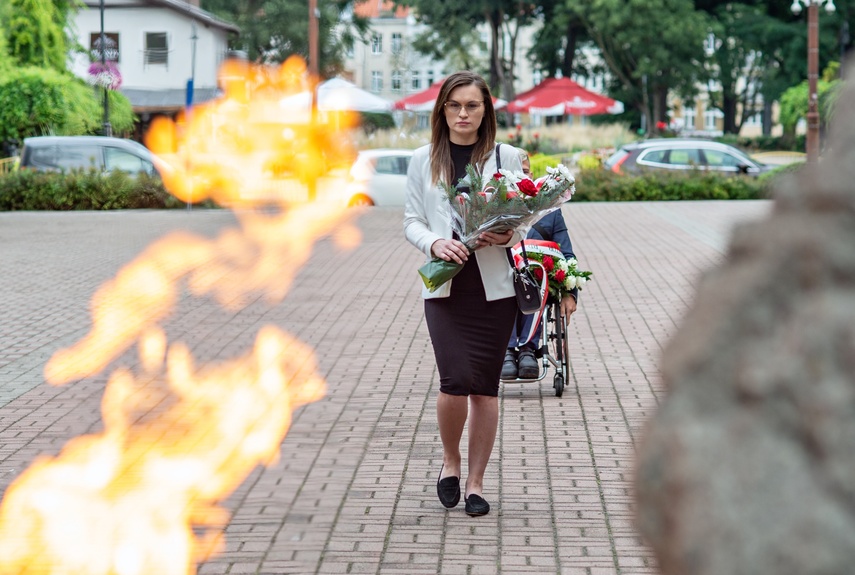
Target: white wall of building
{"x":132,"y":23}
{"x":387,"y":65}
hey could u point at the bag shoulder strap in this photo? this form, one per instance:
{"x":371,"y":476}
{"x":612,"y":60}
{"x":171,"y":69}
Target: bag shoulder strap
{"x":524,"y":255}
{"x":498,"y":157}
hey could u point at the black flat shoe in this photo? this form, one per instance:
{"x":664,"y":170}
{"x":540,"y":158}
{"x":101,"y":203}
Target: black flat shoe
{"x":448,"y":490}
{"x":476,"y":506}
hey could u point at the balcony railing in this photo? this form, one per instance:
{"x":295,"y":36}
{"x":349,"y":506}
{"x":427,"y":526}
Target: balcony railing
{"x":7,"y":165}
{"x":156,"y":57}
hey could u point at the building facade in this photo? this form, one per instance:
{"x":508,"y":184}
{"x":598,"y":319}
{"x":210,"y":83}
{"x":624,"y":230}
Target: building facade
{"x":158,"y":46}
{"x":388,"y":66}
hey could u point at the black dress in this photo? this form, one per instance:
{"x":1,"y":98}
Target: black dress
{"x":469,"y":333}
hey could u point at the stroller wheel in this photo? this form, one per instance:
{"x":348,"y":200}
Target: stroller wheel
{"x":558,"y":384}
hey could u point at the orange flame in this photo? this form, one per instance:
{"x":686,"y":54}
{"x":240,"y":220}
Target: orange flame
{"x":130,"y":500}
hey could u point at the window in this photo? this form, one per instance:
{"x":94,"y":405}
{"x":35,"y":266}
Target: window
{"x":111,"y":41}
{"x":686,"y":157}
{"x":376,"y":81}
{"x":689,"y":115}
{"x":430,"y":79}
{"x":79,"y":157}
{"x":396,"y":42}
{"x":754,"y":119}
{"x":156,"y":48}
{"x":415,"y":81}
{"x":396,"y":80}
{"x":718,"y":158}
{"x":116,"y":159}
{"x":656,"y":157}
{"x":392,"y":165}
{"x":710,"y":117}
{"x":376,"y":44}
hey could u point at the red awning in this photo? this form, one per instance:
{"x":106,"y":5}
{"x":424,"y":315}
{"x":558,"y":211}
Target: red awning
{"x":423,"y":101}
{"x":562,"y":97}
{"x":420,"y":101}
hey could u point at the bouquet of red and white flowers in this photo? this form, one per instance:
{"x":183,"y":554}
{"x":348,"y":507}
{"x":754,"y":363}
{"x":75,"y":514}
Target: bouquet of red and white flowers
{"x":563,"y":274}
{"x":508,"y":200}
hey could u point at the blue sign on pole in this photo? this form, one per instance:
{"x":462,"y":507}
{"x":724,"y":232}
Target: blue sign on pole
{"x":189,"y":92}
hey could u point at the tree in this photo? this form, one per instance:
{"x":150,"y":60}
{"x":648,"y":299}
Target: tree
{"x":647,"y":70}
{"x":759,"y":50}
{"x":452,"y":26}
{"x":273,"y":30}
{"x":735,"y":60}
{"x":794,"y":101}
{"x":450,"y":35}
{"x":557,"y":40}
{"x":36,"y":33}
{"x":36,"y":101}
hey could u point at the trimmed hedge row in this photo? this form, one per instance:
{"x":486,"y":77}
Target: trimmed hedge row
{"x":598,"y":185}
{"x":82,"y":190}
{"x":90,"y":190}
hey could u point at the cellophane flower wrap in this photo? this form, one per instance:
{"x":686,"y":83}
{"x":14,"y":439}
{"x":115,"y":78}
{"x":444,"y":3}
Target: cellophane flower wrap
{"x":509,"y":200}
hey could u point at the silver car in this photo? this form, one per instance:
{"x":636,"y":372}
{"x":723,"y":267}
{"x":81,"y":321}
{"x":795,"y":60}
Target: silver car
{"x":683,"y":154}
{"x":64,"y":153}
{"x":378,"y":178}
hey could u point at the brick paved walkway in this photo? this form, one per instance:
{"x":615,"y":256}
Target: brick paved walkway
{"x":354,"y":489}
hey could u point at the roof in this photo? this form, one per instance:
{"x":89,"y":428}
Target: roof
{"x":165,"y":100}
{"x":185,"y":8}
{"x":380,"y":9}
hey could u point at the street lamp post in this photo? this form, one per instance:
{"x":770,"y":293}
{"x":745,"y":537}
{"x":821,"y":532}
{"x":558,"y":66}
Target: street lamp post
{"x":812,"y":143}
{"x":314,"y":70}
{"x":107,"y":128}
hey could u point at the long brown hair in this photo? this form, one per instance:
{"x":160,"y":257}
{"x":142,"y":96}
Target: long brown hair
{"x":441,"y":166}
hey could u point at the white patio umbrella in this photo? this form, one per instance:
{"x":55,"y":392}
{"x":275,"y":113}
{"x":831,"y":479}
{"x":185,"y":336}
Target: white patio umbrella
{"x":334,"y":95}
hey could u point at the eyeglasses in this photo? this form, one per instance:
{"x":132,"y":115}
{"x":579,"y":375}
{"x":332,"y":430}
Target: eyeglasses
{"x":455,"y":108}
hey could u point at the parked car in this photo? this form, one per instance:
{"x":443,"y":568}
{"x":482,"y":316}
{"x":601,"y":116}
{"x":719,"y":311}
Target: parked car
{"x":378,"y":178}
{"x":682,"y":154}
{"x":63,"y":153}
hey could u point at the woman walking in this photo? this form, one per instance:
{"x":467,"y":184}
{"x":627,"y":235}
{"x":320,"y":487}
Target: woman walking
{"x":470,"y":317}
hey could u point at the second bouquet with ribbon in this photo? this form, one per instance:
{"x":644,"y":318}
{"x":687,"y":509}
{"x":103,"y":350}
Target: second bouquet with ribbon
{"x":507,"y":200}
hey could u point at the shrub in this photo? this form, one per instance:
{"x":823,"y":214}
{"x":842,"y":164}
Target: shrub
{"x":373,"y":121}
{"x":603,"y":185}
{"x":35,"y":101}
{"x":82,"y":190}
{"x":539,"y":163}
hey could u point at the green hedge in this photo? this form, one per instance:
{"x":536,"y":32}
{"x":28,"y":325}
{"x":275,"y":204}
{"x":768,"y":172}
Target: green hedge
{"x":90,"y":190}
{"x":82,"y":190}
{"x":598,"y":185}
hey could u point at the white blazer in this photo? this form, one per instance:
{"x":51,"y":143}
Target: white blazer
{"x":426,"y":219}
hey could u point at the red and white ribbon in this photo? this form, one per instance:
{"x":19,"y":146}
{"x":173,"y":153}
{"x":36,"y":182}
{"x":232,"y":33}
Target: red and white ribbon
{"x":546,"y":248}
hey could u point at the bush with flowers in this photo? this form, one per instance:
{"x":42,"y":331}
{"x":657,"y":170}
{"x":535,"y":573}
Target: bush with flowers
{"x":532,"y":144}
{"x":106,"y":75}
{"x":508,"y":200}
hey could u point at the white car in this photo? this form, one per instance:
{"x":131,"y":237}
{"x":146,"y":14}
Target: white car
{"x":378,"y":178}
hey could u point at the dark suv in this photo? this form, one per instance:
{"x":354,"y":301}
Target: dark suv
{"x":683,"y":154}
{"x":63,"y":153}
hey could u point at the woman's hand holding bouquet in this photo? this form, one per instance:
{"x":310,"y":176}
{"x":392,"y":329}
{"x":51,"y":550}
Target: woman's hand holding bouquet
{"x":508,"y":200}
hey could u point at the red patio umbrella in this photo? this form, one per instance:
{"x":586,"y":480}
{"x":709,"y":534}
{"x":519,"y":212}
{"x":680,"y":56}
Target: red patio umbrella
{"x":423,"y":101}
{"x":420,"y":101}
{"x":563,"y":97}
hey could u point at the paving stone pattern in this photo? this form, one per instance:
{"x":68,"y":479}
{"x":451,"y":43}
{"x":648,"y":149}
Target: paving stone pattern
{"x":354,"y":488}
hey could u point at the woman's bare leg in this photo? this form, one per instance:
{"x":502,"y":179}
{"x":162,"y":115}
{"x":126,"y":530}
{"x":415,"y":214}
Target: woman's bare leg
{"x":451,"y":412}
{"x":483,"y":423}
